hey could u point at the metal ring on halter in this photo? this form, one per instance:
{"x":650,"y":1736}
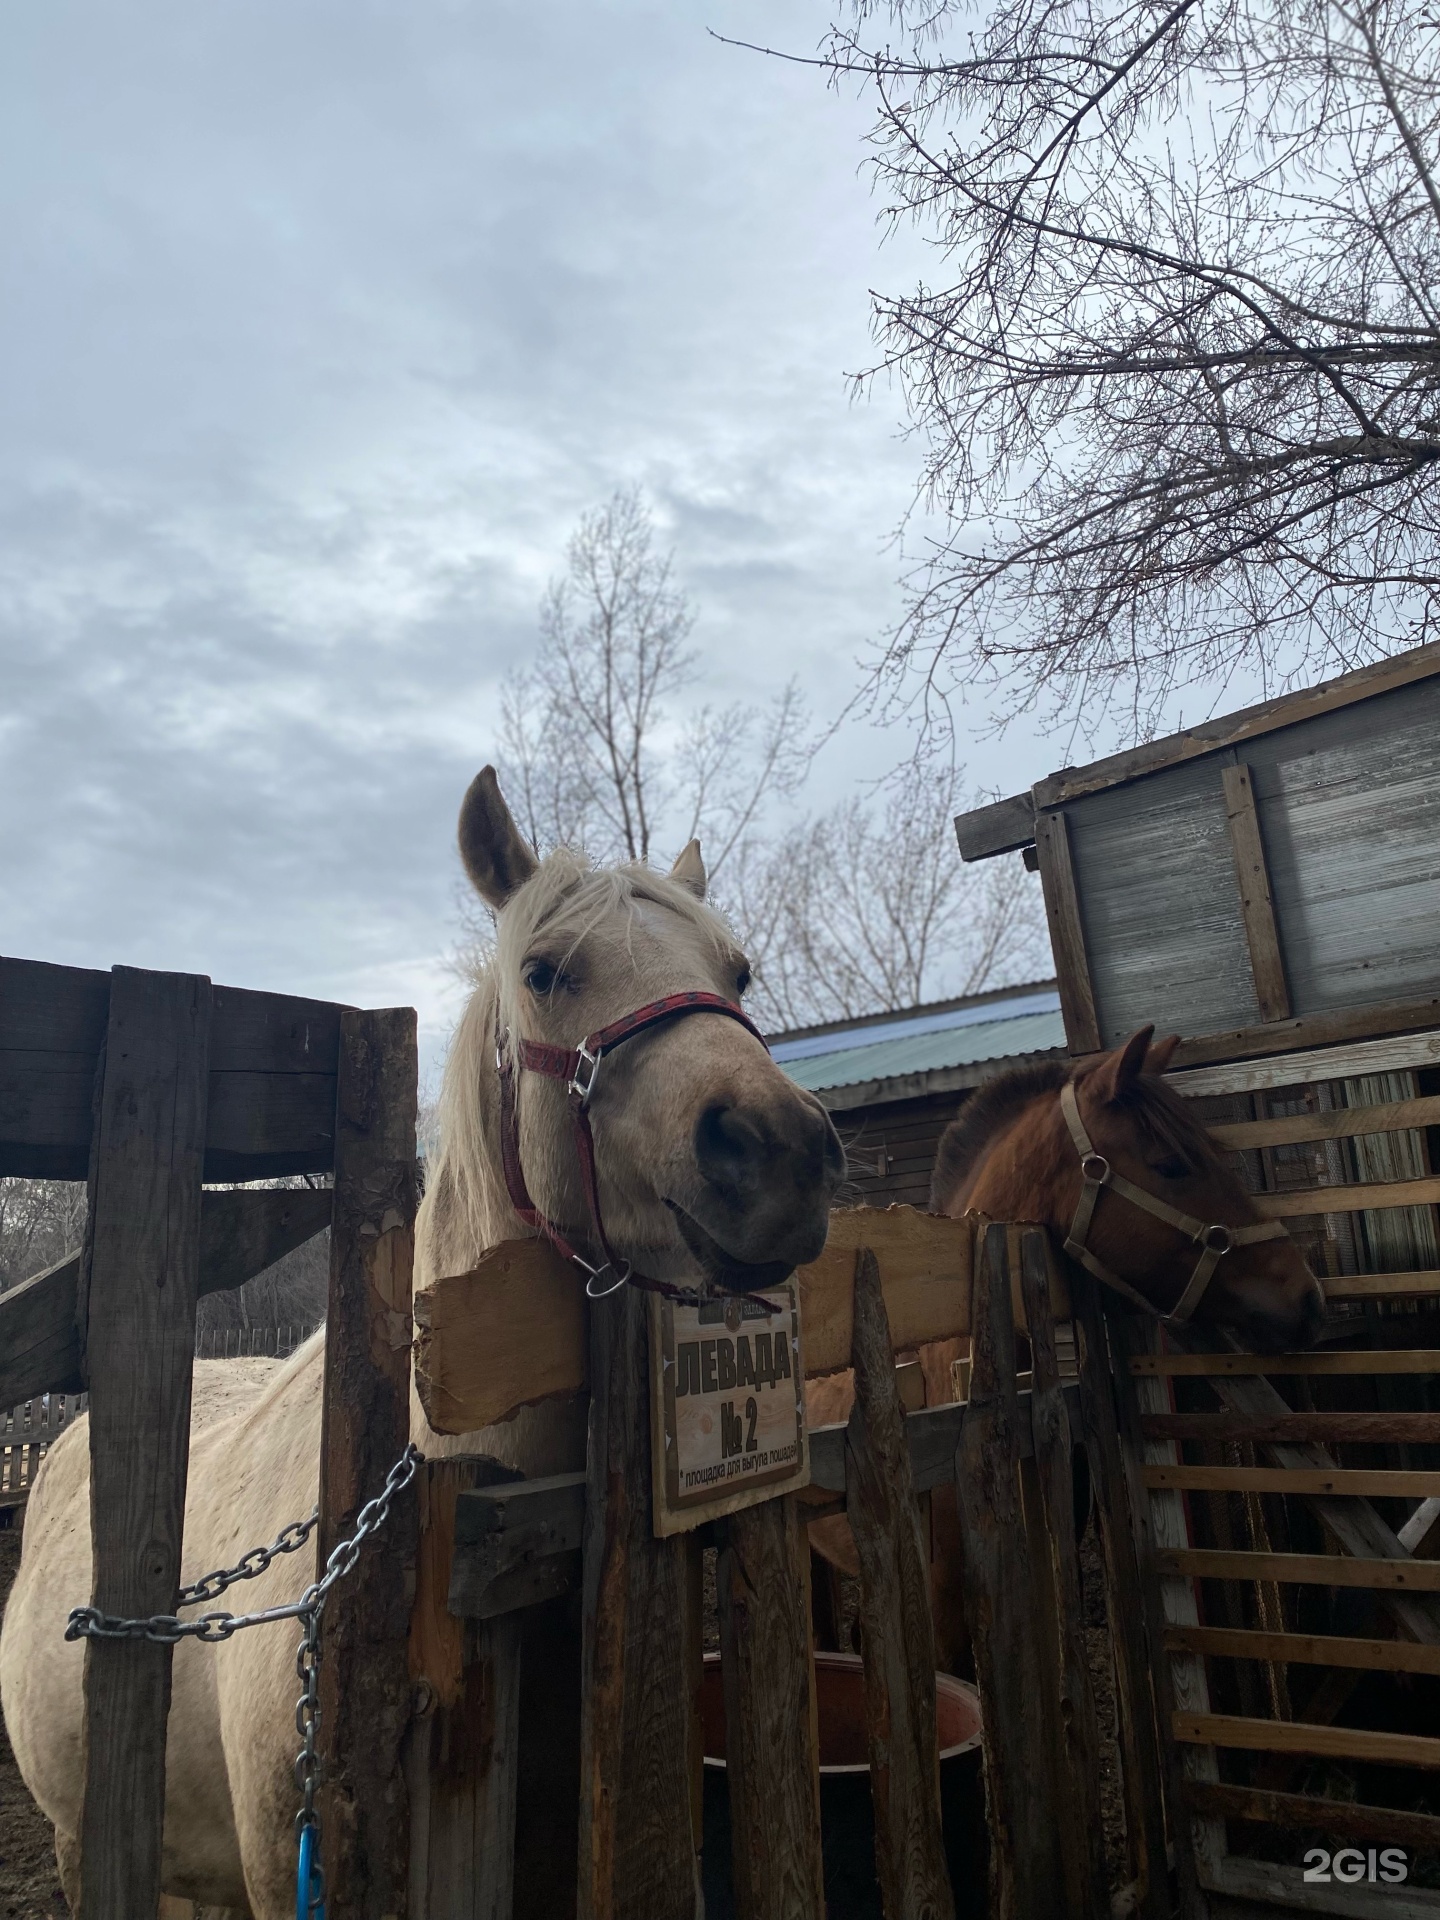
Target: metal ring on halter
{"x":1090,"y":1163}
{"x":592,"y":1274}
{"x":581,"y":1089}
{"x":1215,"y":1239}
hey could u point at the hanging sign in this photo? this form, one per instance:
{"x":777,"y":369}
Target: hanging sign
{"x":727,"y":1403}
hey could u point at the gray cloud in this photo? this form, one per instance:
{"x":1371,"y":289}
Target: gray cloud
{"x":321,"y":325}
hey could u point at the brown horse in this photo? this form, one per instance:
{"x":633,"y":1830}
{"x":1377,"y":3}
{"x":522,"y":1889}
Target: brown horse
{"x":1013,"y":1155}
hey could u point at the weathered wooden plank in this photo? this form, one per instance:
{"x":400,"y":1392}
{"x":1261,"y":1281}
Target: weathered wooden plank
{"x":137,"y":1314}
{"x":265,"y":1125}
{"x":1075,"y":1734}
{"x":1027,"y":1872}
{"x":512,"y":1331}
{"x":515,"y":1544}
{"x":1003,"y":827}
{"x":1250,"y":723}
{"x":1067,"y":932}
{"x":1349,"y":1199}
{"x":639,"y":1848}
{"x":505,"y":1335}
{"x":1294,"y":1736}
{"x":898,"y":1640}
{"x":364,"y":1676}
{"x":772,"y":1754}
{"x":1257,"y":909}
{"x":1343,"y":1819}
{"x":1303,"y":1569}
{"x":1368,"y":1485}
{"x":463,"y":1745}
{"x":240,"y":1235}
{"x":1318,"y":1047}
{"x":271,"y":1097}
{"x":925,"y":1265}
{"x":518,"y":1545}
{"x":1178,"y":1680}
{"x":1141,"y":1772}
{"x":51,"y":1009}
{"x":1236,"y":1366}
{"x":1372,"y":1428}
{"x":1308,"y":1649}
{"x":1338,"y":1123}
{"x":1251,"y":1880}
{"x":1381,"y":1286}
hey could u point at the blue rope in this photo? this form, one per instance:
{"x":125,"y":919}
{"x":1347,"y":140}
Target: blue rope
{"x":309,"y":1880}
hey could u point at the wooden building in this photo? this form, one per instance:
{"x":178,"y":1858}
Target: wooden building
{"x":894,"y":1081}
{"x":1267,"y":885}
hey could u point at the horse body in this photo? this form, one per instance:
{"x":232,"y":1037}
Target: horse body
{"x":710,"y":1163}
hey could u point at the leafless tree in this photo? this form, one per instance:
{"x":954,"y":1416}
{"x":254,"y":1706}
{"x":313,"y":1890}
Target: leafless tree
{"x":598,"y":748}
{"x":1178,"y":378}
{"x":41,"y":1221}
{"x":867,"y":907}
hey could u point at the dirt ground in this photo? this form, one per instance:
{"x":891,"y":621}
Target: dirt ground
{"x":29,"y":1888}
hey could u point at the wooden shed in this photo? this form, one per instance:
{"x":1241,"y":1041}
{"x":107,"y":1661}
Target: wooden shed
{"x":1265,"y":881}
{"x":894,"y":1081}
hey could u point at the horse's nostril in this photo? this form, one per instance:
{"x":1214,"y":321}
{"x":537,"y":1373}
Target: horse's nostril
{"x":729,"y":1148}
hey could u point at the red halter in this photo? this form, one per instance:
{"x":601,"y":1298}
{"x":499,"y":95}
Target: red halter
{"x":578,"y":1067}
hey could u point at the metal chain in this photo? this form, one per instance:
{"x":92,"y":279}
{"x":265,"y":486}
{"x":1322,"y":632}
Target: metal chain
{"x":90,"y":1623}
{"x":167,"y":1628}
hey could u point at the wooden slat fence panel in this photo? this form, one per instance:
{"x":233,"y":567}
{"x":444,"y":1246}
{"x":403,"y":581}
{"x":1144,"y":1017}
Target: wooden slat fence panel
{"x":1027,"y":1870}
{"x":898,"y":1638}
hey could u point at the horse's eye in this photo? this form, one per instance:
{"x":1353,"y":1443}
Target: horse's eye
{"x":1172,"y":1169}
{"x":742,"y":981}
{"x":540,"y":977}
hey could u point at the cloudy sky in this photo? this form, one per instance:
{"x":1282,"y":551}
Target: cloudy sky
{"x":321,"y":324}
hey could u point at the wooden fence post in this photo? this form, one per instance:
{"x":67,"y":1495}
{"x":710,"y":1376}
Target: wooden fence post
{"x":1027,"y":1871}
{"x":462,"y":1753}
{"x":136,"y":1314}
{"x":898,"y":1638}
{"x":1125,"y":1606}
{"x":364,"y":1674}
{"x":771,"y":1733}
{"x":1076,"y":1744}
{"x":639,"y":1848}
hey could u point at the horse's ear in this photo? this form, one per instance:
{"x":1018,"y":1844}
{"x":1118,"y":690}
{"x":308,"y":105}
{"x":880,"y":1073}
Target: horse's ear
{"x":1118,"y":1071}
{"x":689,"y":869}
{"x":1158,"y":1059}
{"x":495,"y":853}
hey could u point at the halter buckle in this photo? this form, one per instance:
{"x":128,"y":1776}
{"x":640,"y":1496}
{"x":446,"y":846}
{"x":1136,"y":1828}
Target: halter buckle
{"x":588,"y":1064}
{"x":1095,"y":1167}
{"x":1215,"y":1239}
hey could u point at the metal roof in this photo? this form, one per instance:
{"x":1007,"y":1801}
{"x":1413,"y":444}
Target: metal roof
{"x":928,"y":1050}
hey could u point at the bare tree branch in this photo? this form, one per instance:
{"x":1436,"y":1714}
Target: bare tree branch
{"x":1193,"y":260}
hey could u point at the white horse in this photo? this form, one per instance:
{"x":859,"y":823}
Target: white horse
{"x":710,"y":1163}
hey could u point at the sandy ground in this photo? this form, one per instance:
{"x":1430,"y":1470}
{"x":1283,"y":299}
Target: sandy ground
{"x":29,"y":1887}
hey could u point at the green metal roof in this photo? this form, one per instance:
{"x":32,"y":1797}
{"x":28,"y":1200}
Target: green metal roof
{"x":907,"y":1047}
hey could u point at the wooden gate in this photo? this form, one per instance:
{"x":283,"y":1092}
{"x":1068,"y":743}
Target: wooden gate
{"x":888,"y":1283}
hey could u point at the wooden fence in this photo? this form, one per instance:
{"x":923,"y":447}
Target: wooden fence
{"x":888,"y":1281}
{"x":96,"y":1070}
